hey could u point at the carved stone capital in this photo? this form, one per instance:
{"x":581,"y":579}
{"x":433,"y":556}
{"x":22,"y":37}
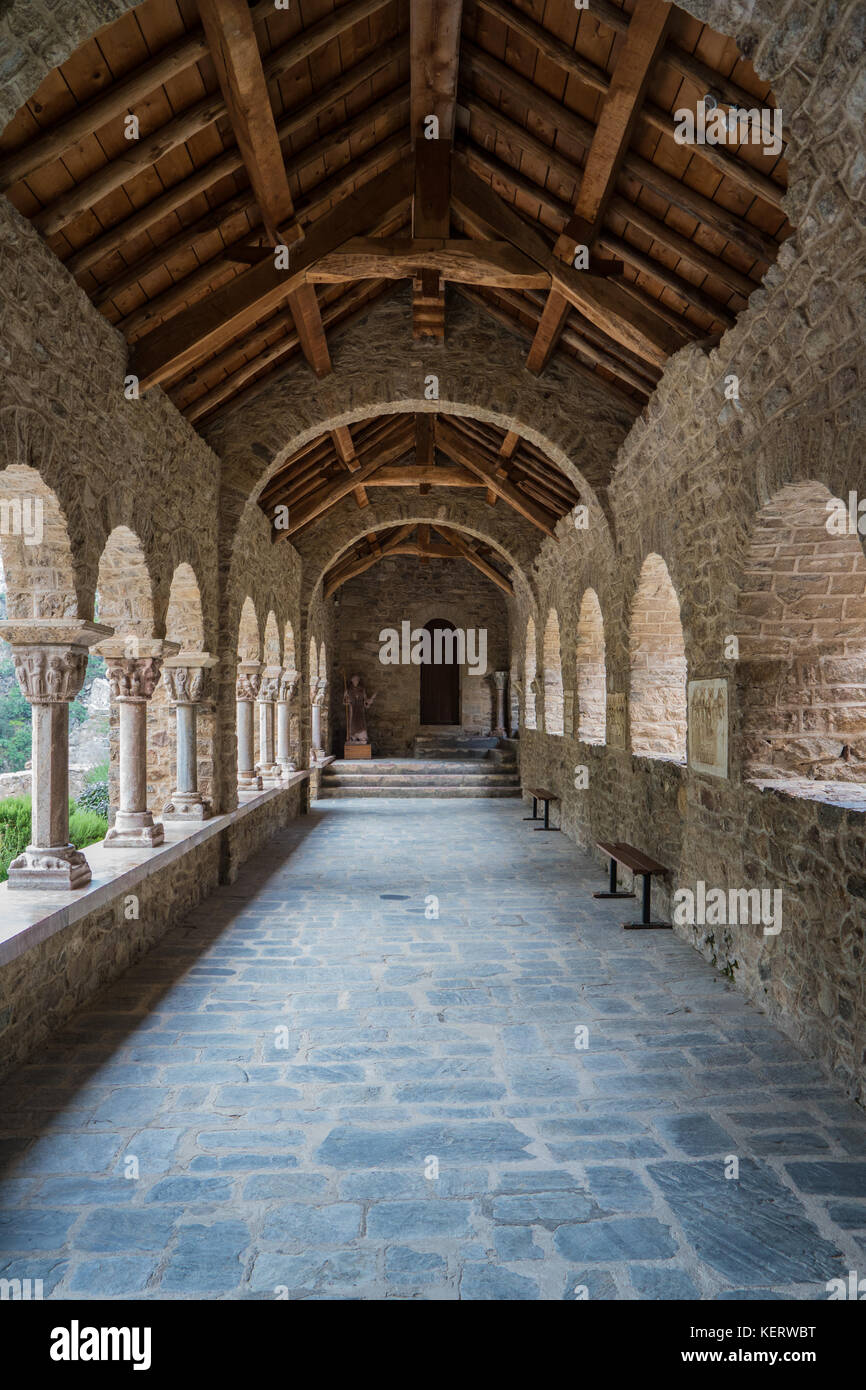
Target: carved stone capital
{"x":500,"y":678}
{"x":269,"y":685}
{"x":133,"y":679}
{"x":185,"y":684}
{"x":288,"y":686}
{"x":50,"y":675}
{"x":184,"y":676}
{"x":247,"y":685}
{"x":319,"y":691}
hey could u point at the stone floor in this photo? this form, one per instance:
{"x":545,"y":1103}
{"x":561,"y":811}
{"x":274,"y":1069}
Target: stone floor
{"x":315,"y":1089}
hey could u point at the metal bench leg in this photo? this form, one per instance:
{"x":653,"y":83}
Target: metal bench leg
{"x":645,"y":910}
{"x":612,"y":891}
{"x":535,"y":815}
{"x":547,"y":825}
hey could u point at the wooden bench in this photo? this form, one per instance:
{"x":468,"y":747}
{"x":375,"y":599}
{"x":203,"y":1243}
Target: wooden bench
{"x":539,"y":794}
{"x":638,"y":863}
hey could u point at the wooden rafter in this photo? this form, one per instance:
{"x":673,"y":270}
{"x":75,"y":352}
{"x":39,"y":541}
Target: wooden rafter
{"x":234,"y":50}
{"x":469,"y":553}
{"x":470,"y":455}
{"x":434,"y":59}
{"x":646,"y":34}
{"x":185,"y":339}
{"x":344,"y":444}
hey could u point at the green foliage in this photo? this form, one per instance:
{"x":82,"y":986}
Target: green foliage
{"x":95,"y":798}
{"x":99,"y":773}
{"x":14,"y":830}
{"x":85,"y":826}
{"x":14,"y":721}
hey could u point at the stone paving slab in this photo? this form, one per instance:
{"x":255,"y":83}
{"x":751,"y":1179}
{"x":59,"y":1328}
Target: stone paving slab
{"x":407,"y":1055}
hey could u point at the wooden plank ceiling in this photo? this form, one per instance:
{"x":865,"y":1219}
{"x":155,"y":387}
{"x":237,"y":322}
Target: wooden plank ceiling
{"x":305,"y":128}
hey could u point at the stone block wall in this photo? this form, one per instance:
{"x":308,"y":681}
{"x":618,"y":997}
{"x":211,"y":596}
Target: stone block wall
{"x":399,"y":590}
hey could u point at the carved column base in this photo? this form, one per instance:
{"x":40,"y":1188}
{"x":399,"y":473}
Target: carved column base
{"x":186,"y":807}
{"x":287,"y":768}
{"x":134,"y":830}
{"x":60,"y":866}
{"x":271,"y":776}
{"x":249,"y":782}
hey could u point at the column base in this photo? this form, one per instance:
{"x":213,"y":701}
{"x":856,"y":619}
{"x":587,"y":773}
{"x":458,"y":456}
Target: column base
{"x":61,"y":867}
{"x":249,"y":782}
{"x":287,"y":769}
{"x":134,"y":830}
{"x":182,"y":808}
{"x":271,"y":776}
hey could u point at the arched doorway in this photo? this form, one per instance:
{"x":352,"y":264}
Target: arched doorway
{"x":440,"y":682}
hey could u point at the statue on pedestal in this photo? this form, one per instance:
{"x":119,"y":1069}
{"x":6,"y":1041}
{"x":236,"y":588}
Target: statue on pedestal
{"x":357,"y":702}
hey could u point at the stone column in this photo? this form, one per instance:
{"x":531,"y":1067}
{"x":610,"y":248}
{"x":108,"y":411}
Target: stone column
{"x":317,"y":752}
{"x":515,"y":724}
{"x":184,"y":677}
{"x":50,"y":659}
{"x":268,"y":691}
{"x":133,"y":668}
{"x":285,"y":694}
{"x":249,"y":676}
{"x":501,"y":680}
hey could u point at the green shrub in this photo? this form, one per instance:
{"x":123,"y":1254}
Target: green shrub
{"x":85,"y":827}
{"x":99,"y":773}
{"x":95,"y":798}
{"x":14,"y":830}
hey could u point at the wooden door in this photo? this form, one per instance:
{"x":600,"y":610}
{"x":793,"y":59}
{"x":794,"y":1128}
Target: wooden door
{"x":440,"y":685}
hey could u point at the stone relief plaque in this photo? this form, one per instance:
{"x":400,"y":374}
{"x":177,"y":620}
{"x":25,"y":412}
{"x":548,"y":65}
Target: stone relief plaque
{"x":708,"y":726}
{"x":616,"y":721}
{"x":568,"y":712}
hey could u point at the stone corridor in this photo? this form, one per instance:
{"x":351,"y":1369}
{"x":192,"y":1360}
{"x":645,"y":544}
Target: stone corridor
{"x":258,"y":1109}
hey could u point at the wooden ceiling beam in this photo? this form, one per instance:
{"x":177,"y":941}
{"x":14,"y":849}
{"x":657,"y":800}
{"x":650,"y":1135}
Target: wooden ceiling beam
{"x":614,"y":389}
{"x":471,"y":554}
{"x":177,"y":345}
{"x":600,"y":300}
{"x":470,"y":456}
{"x":610,"y":142}
{"x":344,"y":444}
{"x":588,"y":74}
{"x":434,"y":62}
{"x":234,"y":50}
{"x":355,"y":300}
{"x":113,"y":103}
{"x":465,"y":260}
{"x":195,"y":118}
{"x":557,"y":213}
{"x":577,"y":129}
{"x":214,"y":172}
{"x":425,"y":446}
{"x":330,"y":496}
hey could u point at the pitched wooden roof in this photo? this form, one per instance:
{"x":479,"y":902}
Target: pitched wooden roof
{"x":305,"y":126}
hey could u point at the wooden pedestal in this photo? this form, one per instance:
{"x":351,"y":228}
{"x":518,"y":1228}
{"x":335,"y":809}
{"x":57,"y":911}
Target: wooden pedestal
{"x":357,"y":750}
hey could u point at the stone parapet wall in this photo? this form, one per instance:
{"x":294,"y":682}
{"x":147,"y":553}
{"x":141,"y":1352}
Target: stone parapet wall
{"x":48,"y":981}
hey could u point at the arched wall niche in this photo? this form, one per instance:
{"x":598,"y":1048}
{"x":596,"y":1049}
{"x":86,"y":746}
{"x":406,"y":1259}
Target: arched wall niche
{"x":801,"y":627}
{"x":530,"y":667}
{"x":554,"y":705}
{"x":657,"y":703}
{"x":591,"y":676}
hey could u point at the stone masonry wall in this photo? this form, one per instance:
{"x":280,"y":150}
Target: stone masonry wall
{"x":399,"y":590}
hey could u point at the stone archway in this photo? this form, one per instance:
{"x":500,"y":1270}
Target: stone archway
{"x":591,"y":676}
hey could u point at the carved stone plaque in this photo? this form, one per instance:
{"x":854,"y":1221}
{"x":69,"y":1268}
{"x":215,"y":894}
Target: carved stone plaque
{"x":708,"y":726}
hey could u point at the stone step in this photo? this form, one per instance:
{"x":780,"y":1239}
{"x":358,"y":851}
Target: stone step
{"x":329,"y":792}
{"x":419,"y":768}
{"x":397,"y":779}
